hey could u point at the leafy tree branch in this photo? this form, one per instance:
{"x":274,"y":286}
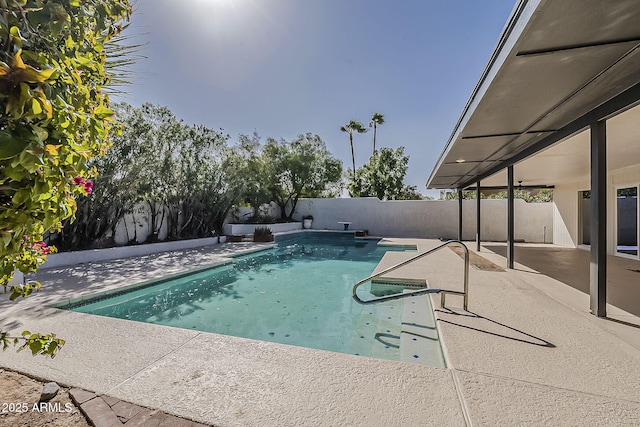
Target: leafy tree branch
{"x":56,"y":118}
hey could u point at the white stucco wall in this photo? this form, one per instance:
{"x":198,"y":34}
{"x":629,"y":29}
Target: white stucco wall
{"x":405,"y":218}
{"x":565,"y":214}
{"x":430,"y":218}
{"x":138,"y":221}
{"x":566,"y":202}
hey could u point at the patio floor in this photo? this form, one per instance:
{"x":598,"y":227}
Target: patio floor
{"x":571,"y":267}
{"x":528,"y":352}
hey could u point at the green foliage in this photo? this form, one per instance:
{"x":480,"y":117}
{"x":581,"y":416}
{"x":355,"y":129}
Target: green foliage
{"x":300,"y":168}
{"x":411,"y":192}
{"x":350,"y":128}
{"x":188,"y":178}
{"x":47,"y":344}
{"x":626,"y":192}
{"x":262,"y":231}
{"x":183,"y":176}
{"x":542,"y":196}
{"x":253,"y":167}
{"x":383,"y":177}
{"x":55,"y":119}
{"x":466,"y":194}
{"x":376,"y":119}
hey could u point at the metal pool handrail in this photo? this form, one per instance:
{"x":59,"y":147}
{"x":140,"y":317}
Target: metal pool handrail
{"x":442,"y":292}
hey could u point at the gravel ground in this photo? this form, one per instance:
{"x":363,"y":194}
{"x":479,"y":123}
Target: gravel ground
{"x":19,"y":406}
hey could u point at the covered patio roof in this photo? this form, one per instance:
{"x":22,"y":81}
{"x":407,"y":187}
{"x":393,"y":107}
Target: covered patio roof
{"x":558,"y":66}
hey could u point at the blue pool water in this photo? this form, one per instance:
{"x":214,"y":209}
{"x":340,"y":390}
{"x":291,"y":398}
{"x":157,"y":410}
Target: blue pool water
{"x":298,"y":293}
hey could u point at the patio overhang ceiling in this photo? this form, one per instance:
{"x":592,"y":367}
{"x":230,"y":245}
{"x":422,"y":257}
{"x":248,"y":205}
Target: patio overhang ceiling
{"x":555,"y":63}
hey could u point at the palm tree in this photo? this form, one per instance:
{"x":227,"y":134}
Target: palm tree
{"x":353,"y":126}
{"x":376,"y":120}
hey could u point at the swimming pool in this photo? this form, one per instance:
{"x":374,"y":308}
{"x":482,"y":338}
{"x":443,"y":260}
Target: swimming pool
{"x":298,"y":293}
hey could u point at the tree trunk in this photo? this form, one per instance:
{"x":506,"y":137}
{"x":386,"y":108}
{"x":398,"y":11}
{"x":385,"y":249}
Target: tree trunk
{"x":135,"y":228}
{"x":374,"y":137}
{"x":294,"y":203}
{"x":353,"y":156}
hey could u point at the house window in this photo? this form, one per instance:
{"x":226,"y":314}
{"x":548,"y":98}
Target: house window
{"x":627,"y":221}
{"x":584,"y":215}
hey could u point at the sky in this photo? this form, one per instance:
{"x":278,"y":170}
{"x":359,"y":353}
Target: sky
{"x":286,"y":67}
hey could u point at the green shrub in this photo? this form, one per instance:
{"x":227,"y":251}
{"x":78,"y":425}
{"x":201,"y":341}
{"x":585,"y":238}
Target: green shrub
{"x":262,"y":231}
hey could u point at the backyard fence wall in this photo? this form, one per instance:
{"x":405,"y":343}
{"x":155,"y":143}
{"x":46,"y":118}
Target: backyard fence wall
{"x":430,"y":218}
{"x":401,"y":218}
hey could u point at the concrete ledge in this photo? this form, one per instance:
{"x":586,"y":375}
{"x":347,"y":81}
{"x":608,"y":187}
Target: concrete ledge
{"x":79,"y":257}
{"x":238,"y":229}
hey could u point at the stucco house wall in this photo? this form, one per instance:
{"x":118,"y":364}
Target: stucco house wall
{"x":566,"y":215}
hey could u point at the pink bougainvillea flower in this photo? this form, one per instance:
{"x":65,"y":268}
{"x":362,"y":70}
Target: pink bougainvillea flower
{"x":78,"y":180}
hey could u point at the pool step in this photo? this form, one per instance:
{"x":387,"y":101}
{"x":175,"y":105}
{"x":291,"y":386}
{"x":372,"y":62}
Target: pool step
{"x":391,"y":285}
{"x":418,"y":335}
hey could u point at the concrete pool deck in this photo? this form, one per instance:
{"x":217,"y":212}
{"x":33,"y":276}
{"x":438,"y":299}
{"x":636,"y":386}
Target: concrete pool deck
{"x":527,"y":353}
